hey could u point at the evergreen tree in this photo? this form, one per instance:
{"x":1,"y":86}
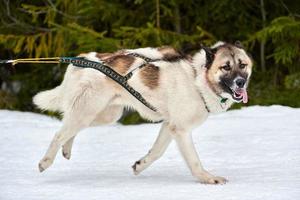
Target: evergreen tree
{"x":46,"y":28}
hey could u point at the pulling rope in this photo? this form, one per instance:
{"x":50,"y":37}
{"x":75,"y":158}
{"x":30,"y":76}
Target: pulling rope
{"x":31,"y":60}
{"x":100,"y":66}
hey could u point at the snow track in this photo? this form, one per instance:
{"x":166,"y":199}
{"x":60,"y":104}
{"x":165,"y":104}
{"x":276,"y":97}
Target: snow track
{"x":257,"y":149}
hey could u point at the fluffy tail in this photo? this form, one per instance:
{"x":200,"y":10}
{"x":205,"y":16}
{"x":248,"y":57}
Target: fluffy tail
{"x":48,"y":100}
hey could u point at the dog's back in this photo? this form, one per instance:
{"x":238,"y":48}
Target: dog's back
{"x":63,"y":96}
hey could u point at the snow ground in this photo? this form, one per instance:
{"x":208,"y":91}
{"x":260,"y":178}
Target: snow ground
{"x":256,"y":148}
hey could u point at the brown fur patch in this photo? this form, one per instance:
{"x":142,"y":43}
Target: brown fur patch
{"x":170,"y":54}
{"x":120,"y":63}
{"x":167,"y":50}
{"x":104,"y":56}
{"x":212,"y":85}
{"x":150,"y":76}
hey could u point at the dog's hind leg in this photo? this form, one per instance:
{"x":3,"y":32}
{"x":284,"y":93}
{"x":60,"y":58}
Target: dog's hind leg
{"x":159,"y":147}
{"x":71,"y":126}
{"x":80,"y":115}
{"x":67,"y":148}
{"x":109,"y":115}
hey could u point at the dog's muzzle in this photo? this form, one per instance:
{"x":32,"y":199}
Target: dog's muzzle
{"x":238,"y":90}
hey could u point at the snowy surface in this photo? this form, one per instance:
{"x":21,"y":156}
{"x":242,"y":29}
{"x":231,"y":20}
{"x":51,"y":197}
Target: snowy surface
{"x":256,"y":148}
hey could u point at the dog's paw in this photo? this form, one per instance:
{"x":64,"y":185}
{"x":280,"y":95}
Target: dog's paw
{"x":214,"y":180}
{"x":136,"y":167}
{"x":44,"y":164}
{"x":66,"y":154}
{"x":207,"y":178}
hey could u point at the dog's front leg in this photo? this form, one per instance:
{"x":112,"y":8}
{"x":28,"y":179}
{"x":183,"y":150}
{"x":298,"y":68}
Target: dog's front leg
{"x":159,"y":147}
{"x":188,"y":151}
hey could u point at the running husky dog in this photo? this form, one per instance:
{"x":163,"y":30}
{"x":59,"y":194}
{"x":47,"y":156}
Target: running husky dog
{"x":183,"y":89}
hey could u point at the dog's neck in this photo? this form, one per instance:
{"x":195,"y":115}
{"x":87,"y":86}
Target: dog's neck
{"x":214,"y":102}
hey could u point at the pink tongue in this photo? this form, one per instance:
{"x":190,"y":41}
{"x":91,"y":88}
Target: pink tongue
{"x":244,"y":94}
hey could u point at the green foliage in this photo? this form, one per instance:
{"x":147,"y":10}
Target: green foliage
{"x":132,"y":118}
{"x":284,"y":34}
{"x":46,"y":28}
{"x":6,"y":100}
{"x":292,"y":81}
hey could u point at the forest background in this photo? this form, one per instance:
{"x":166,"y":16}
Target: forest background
{"x":269,"y":29}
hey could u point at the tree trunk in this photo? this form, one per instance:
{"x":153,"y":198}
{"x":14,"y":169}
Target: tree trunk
{"x":157,"y":14}
{"x":262,"y":44}
{"x":177,"y":19}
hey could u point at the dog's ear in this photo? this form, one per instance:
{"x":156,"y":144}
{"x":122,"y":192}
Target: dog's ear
{"x":210,"y":55}
{"x":238,"y":44}
{"x":218,"y":44}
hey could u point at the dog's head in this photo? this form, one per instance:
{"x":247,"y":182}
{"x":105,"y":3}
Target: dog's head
{"x":227,"y":70}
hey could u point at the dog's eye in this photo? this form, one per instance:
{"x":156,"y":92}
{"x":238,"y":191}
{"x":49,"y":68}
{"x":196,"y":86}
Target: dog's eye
{"x":226,"y":67}
{"x":243,"y":65}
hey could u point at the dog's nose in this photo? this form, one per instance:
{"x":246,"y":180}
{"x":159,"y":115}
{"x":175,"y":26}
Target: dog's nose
{"x":240,"y":82}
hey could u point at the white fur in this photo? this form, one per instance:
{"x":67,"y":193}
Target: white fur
{"x":148,"y":52}
{"x":87,"y":98}
{"x":199,"y":59}
{"x":49,"y":100}
{"x":92,"y":56}
{"x":220,"y":43}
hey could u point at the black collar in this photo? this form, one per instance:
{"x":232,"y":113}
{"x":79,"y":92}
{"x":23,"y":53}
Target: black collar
{"x":222,"y":100}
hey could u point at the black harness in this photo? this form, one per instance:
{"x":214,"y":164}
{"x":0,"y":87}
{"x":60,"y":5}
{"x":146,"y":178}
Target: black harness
{"x":108,"y":71}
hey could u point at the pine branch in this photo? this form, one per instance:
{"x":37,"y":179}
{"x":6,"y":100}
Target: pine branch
{"x":61,"y":12}
{"x":23,"y":25}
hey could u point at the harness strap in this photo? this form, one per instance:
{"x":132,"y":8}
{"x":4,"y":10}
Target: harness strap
{"x":143,"y":57}
{"x":100,"y":66}
{"x":121,"y":80}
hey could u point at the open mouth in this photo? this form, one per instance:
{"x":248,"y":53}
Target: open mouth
{"x":239,"y":94}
